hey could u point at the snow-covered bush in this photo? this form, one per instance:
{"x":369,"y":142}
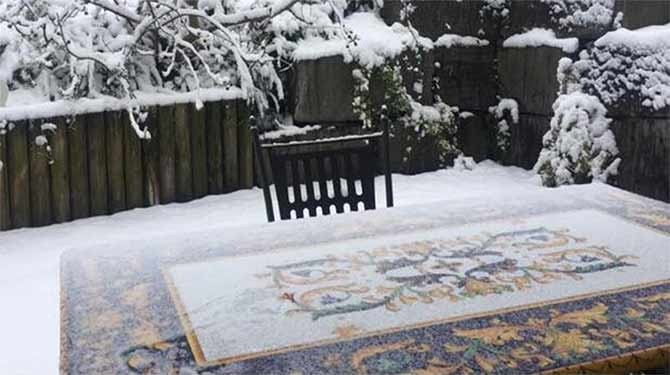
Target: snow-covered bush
{"x":583,"y":14}
{"x":626,"y":68}
{"x":504,"y":114}
{"x":495,"y":9}
{"x":579,"y":147}
{"x":419,"y":126}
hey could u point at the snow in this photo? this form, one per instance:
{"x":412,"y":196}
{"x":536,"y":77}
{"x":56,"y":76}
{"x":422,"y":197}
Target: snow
{"x":455,"y":40}
{"x":375,"y":42}
{"x":29,"y":257}
{"x":506,"y":110}
{"x":626,"y":67}
{"x":579,"y":144}
{"x":464,"y":163}
{"x":650,"y":37}
{"x":571,"y":14}
{"x":538,"y":37}
{"x":289,"y":131}
{"x":29,"y":104}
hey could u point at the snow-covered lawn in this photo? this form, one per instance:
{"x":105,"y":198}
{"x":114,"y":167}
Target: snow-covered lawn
{"x":29,"y":284}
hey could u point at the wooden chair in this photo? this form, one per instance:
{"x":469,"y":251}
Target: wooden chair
{"x":325,"y":174}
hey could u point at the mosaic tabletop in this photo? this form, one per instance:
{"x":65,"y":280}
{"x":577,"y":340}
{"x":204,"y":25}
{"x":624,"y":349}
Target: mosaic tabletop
{"x":572,"y":280}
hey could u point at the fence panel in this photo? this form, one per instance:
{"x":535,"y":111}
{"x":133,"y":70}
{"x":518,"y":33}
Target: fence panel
{"x":5,"y":220}
{"x":19,"y":174}
{"x":40,"y":189}
{"x":60,"y":173}
{"x":95,"y":164}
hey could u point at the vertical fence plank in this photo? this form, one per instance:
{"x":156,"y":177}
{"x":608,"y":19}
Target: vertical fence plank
{"x":183,"y":172}
{"x":116,"y":180}
{"x":40,"y":185}
{"x":60,"y":176}
{"x":214,"y":148}
{"x":199,"y":152}
{"x":5,"y":218}
{"x":77,"y":152}
{"x":132,"y":160}
{"x":19,"y":174}
{"x":97,"y":157}
{"x":230,"y":157}
{"x":245,"y":146}
{"x":151,"y":158}
{"x":167,"y":148}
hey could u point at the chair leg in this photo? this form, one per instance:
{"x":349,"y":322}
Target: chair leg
{"x":260,"y":166}
{"x":387,"y":161}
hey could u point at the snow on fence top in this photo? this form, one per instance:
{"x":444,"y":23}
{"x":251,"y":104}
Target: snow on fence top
{"x":373,"y":41}
{"x":455,"y":40}
{"x":541,"y":38}
{"x":650,"y":38}
{"x":25,"y":105}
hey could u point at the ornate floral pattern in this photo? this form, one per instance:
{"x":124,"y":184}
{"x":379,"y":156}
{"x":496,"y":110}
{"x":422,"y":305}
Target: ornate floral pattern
{"x":422,"y":272}
{"x":543,"y":338}
{"x":145,"y":335}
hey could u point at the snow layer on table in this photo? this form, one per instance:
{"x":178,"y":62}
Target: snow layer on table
{"x":538,"y":37}
{"x":375,"y":42}
{"x":27,"y":104}
{"x":230,"y":305}
{"x":455,"y":40}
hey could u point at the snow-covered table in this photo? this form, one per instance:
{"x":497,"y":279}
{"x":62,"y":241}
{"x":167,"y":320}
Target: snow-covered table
{"x":556,"y":281}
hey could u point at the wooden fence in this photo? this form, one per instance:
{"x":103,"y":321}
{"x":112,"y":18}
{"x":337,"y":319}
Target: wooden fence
{"x":99,"y":166}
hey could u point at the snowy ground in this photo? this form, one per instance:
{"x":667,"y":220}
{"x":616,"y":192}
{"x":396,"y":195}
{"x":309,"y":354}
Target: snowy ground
{"x":29,"y":257}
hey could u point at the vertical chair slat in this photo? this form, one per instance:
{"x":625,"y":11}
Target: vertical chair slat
{"x":298,"y":203}
{"x":309,"y":182}
{"x":337,"y":186}
{"x":352,"y":197}
{"x":368,"y":169}
{"x":324,"y":199}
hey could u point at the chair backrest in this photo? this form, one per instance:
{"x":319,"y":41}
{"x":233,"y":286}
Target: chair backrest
{"x":322,"y":176}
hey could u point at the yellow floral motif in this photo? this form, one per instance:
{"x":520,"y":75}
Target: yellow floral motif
{"x":570,"y":342}
{"x":361,"y":355}
{"x":333,"y":360}
{"x":437,"y":366}
{"x":655,"y":298}
{"x":582,"y":317}
{"x":525,"y":353}
{"x":623,"y":339}
{"x":347,"y":331}
{"x":476,"y":287}
{"x":496,"y":335}
{"x":486,"y":364}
